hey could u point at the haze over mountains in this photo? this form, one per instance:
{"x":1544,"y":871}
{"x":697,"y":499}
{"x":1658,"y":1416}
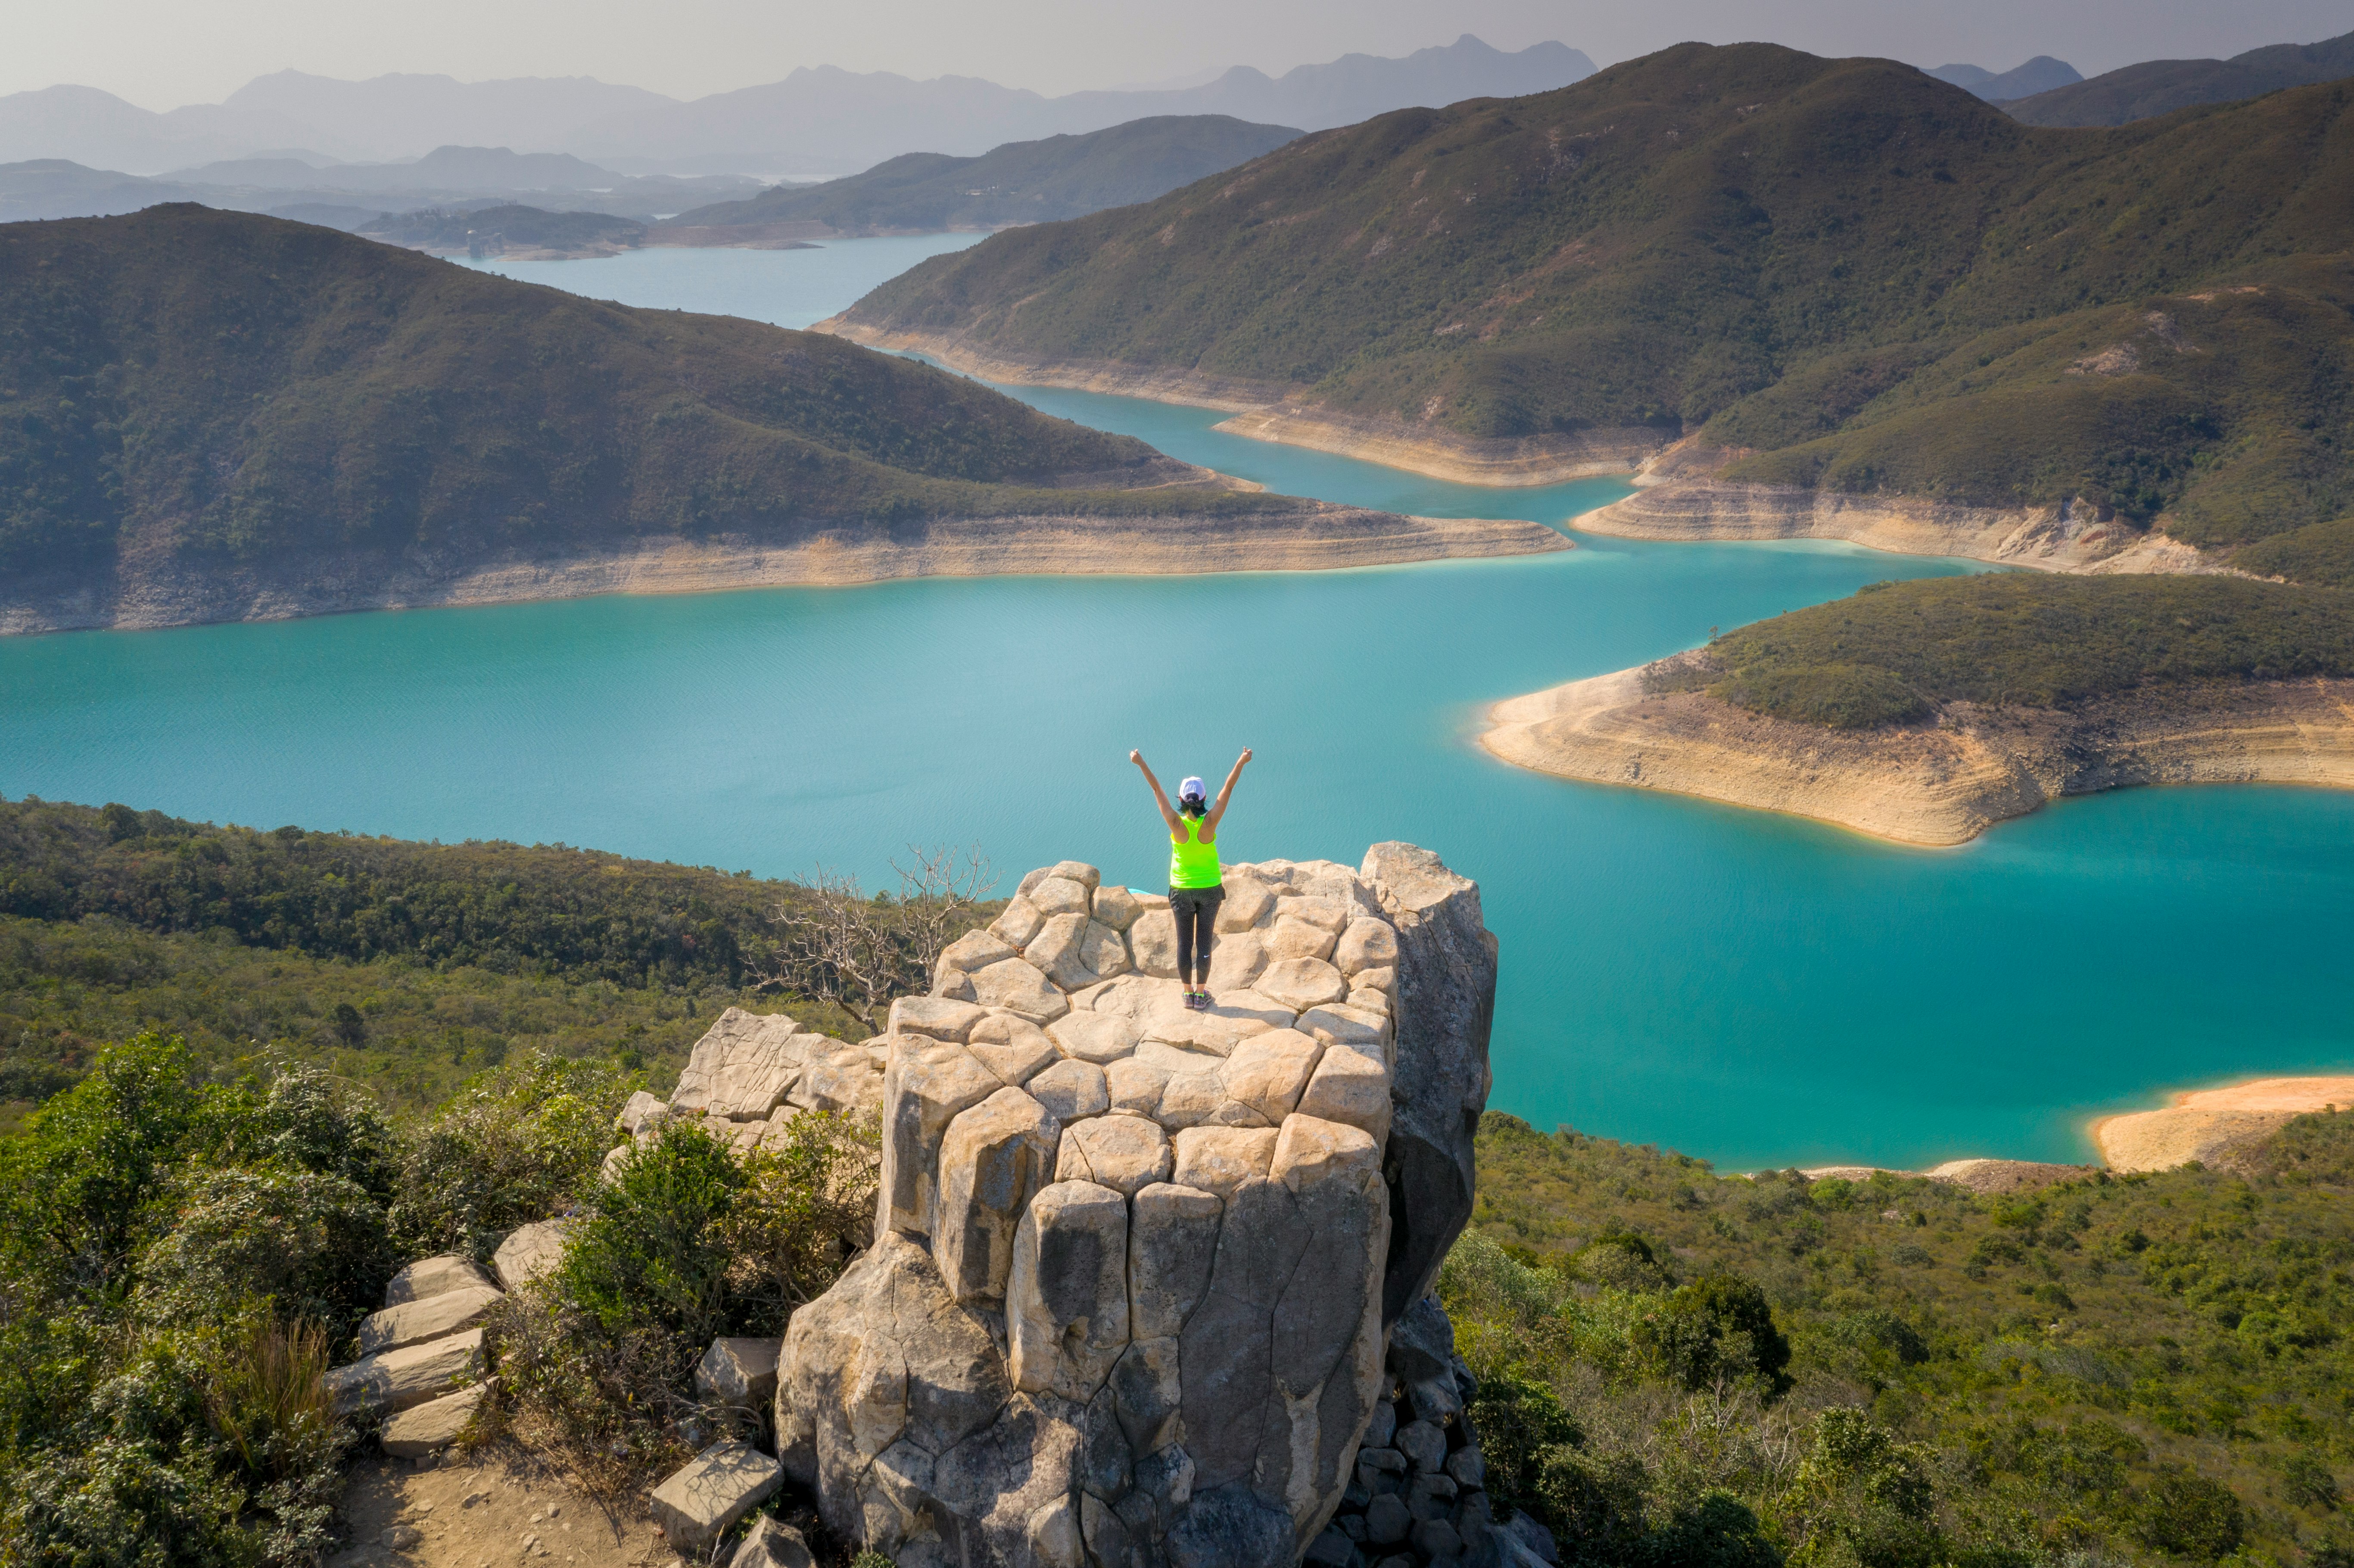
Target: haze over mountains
{"x":1867,"y":280}
{"x":2161,"y":86}
{"x":2039,"y":75}
{"x":819,"y":123}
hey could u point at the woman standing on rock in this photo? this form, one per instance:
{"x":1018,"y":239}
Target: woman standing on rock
{"x":1196,"y":888}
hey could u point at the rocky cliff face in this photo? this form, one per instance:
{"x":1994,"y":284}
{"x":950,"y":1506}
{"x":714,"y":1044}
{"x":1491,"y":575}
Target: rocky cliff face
{"x":1137,"y":1268}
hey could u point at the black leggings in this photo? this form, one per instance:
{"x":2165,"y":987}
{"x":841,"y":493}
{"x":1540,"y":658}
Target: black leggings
{"x":1196,"y":909}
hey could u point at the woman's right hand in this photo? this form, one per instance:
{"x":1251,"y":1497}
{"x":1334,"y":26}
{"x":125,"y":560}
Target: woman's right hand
{"x":1137,"y":758}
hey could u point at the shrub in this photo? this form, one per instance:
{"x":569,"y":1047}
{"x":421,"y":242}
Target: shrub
{"x":1839,"y":697}
{"x":515,"y":1145}
{"x":1718,"y":1327}
{"x":2186,"y":1514}
{"x":1718,"y":1531}
{"x":1519,"y":1421}
{"x":1594,"y":1506}
{"x":314,"y":1245}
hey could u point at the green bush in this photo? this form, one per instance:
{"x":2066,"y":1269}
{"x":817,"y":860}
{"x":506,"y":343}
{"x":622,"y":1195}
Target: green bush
{"x":2185,"y":1514}
{"x":1519,"y":1420}
{"x":1838,"y":696}
{"x":1718,"y":1327}
{"x":316,"y":1246}
{"x":515,"y":1145}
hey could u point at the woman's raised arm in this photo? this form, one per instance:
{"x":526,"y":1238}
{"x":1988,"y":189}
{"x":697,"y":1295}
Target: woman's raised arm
{"x":1226,"y":792}
{"x":1167,"y":812}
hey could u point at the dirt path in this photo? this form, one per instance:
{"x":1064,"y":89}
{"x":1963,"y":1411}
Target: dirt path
{"x":502,"y":1508}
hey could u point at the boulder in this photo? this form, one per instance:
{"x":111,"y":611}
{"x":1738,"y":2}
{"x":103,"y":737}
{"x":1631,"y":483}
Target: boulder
{"x":927,"y":1083}
{"x":942,"y":1018}
{"x":413,"y":1322}
{"x":429,"y":1427}
{"x":702,"y":1499}
{"x":839,"y":1078}
{"x":1446,"y":1007}
{"x":739,"y":1371}
{"x":642,"y":1112}
{"x":1266,"y":1072}
{"x":974,"y":950}
{"x":432,"y":1276}
{"x":394,"y":1380}
{"x":1014,"y":926}
{"x":1071,"y":1090}
{"x":1012,"y":1048}
{"x":1019,"y":985}
{"x":1057,"y":895}
{"x":1246,"y":903}
{"x":773,"y":1543}
{"x":1133,"y":1291}
{"x":1152,"y":942}
{"x":1066,"y":1301}
{"x":1118,"y":907}
{"x":1097,"y":1037}
{"x":1125,"y":1153}
{"x":529,"y":1252}
{"x":993,"y":1160}
{"x":741,"y":1067}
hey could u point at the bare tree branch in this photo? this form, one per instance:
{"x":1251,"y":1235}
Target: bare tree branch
{"x":838,"y":943}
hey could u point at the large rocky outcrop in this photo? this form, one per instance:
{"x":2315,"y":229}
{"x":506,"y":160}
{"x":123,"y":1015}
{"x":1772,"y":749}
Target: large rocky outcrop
{"x":1136,"y":1269}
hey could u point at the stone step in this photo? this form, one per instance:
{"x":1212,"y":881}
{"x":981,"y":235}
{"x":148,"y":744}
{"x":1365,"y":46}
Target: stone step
{"x":529,"y":1252}
{"x":395,"y":1380}
{"x":429,"y":1277}
{"x":429,"y":1427}
{"x":702,"y":1499}
{"x":414,"y":1322}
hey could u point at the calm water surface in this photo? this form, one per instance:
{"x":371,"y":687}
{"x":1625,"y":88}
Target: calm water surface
{"x":1754,"y":989}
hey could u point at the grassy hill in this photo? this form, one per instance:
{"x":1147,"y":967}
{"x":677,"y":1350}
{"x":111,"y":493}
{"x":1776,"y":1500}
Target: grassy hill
{"x":1897,"y":650}
{"x":2161,"y":86}
{"x":1870,"y":278}
{"x":1020,"y":181}
{"x":1898,"y":1373}
{"x":187,"y":394}
{"x":403,"y":966}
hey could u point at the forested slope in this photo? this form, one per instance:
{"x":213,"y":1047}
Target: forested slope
{"x":191,"y":396}
{"x":1863,"y":279}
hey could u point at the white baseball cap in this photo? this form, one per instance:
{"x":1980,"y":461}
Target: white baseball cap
{"x":1194,"y":788}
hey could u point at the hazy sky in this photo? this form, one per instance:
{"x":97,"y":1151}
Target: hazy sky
{"x":163,"y":53}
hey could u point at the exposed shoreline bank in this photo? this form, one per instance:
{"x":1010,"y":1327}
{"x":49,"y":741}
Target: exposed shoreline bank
{"x":2215,"y":1127}
{"x":1267,"y":412}
{"x":1935,"y":784}
{"x":1313,"y":538}
{"x":2064,"y":538}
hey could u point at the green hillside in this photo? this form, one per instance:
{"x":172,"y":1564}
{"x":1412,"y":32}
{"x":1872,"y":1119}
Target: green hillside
{"x":1022,"y":182}
{"x":403,"y":966}
{"x":2161,"y":86}
{"x":1678,"y":1366}
{"x":1895,"y":652}
{"x":185,"y":393}
{"x":1870,"y":278}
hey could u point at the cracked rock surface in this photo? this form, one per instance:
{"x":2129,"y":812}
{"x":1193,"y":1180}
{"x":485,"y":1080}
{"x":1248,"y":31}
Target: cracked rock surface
{"x":1137,"y":1268}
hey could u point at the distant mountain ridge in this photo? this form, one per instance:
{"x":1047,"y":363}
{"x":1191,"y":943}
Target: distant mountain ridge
{"x":2161,"y":86}
{"x":1824,"y":277}
{"x":1022,"y":182}
{"x":819,"y":121}
{"x":2041,"y":74}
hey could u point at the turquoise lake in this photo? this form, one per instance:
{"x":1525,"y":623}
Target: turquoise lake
{"x":1754,"y":989}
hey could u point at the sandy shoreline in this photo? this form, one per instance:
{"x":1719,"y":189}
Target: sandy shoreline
{"x":1934,"y":784}
{"x":1269,"y":412}
{"x":2069,"y":538}
{"x":1313,"y":538}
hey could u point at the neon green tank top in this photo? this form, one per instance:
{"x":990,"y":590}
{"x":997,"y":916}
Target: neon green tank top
{"x":1191,"y":863}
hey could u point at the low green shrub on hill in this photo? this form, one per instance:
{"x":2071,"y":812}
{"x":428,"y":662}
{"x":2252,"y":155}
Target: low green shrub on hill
{"x":1895,"y":650}
{"x":2119,"y":1369}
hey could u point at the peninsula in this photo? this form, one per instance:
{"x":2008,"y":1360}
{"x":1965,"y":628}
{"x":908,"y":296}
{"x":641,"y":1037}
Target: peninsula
{"x":1800,"y":296}
{"x":209,"y":415}
{"x":1926,"y":711}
